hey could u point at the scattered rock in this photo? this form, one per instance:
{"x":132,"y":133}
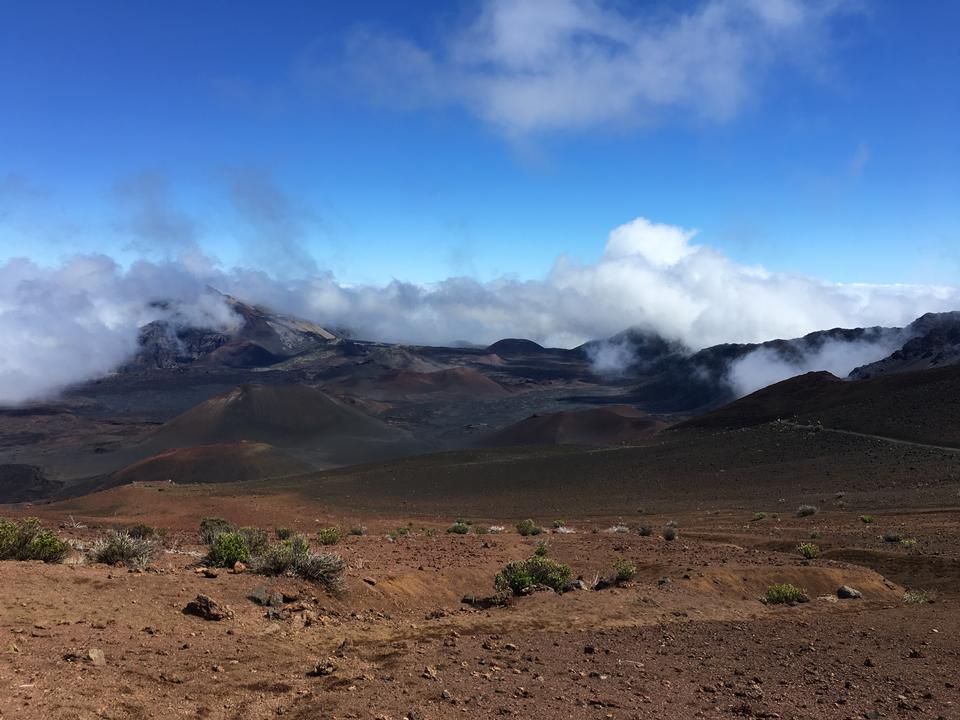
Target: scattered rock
{"x":96,"y":656}
{"x":324,"y":668}
{"x":370,"y":581}
{"x":171,"y":678}
{"x":205,"y":607}
{"x":845,"y":592}
{"x":209,"y":573}
{"x":429,"y":672}
{"x":238,"y":567}
{"x":262,"y":595}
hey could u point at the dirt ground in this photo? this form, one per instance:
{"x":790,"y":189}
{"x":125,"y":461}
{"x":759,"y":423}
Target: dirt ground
{"x":688,"y":637}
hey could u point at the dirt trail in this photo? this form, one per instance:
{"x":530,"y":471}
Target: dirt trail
{"x":853,"y":433}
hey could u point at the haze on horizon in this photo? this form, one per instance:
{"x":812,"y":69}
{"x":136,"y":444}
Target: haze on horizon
{"x":716,"y":171}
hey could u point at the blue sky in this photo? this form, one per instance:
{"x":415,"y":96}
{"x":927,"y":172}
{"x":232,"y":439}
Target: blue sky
{"x":384,"y":152}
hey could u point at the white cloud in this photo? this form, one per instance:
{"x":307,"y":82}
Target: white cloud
{"x":76,"y":321}
{"x":532,"y":65}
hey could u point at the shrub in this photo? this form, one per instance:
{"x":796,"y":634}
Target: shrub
{"x":120,"y":548}
{"x":25,"y":540}
{"x":908,"y":543}
{"x":645,"y":530}
{"x":867,"y":519}
{"x":673,"y":524}
{"x":481,"y":529}
{"x":518,"y":576}
{"x":329,"y":535}
{"x":892,"y":536}
{"x":806,"y":510}
{"x":326,"y":570}
{"x":785,"y":593}
{"x":141,"y":531}
{"x":917,"y":597}
{"x":430,"y":532}
{"x":619,"y":528}
{"x":557,"y":524}
{"x":808,"y":550}
{"x":398,"y":532}
{"x":283,"y":533}
{"x":759,"y":516}
{"x":528,"y":527}
{"x":358,"y":530}
{"x":670,"y":532}
{"x":542,"y":549}
{"x":256,"y":539}
{"x":211,"y":527}
{"x":459,"y":528}
{"x":624,"y":570}
{"x":228,"y":549}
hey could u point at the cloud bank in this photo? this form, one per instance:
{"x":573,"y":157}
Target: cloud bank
{"x":79,"y":320}
{"x":533,"y":65}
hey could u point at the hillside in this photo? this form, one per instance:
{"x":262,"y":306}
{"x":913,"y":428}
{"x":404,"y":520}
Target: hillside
{"x":613,"y":425}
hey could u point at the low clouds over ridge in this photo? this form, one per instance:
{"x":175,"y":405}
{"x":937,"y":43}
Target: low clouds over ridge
{"x":79,"y":320}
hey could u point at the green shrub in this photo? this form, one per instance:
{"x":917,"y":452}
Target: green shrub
{"x":256,"y":539}
{"x":283,"y":533}
{"x":459,"y":528}
{"x":670,"y":532}
{"x":142,"y":531}
{"x":759,"y":516}
{"x":557,"y":524}
{"x":228,"y":549}
{"x":25,"y":540}
{"x":867,"y":519}
{"x":399,"y":532}
{"x":785,"y":593}
{"x":917,"y":597}
{"x":211,"y":527}
{"x":518,"y":576}
{"x":120,"y":548}
{"x":292,"y":556}
{"x":329,"y":535}
{"x":481,"y":529}
{"x":645,"y":530}
{"x":624,"y":570}
{"x":908,"y":542}
{"x":808,"y":550}
{"x":542,"y":549}
{"x":430,"y":532}
{"x":528,"y":527}
{"x":806,"y":510}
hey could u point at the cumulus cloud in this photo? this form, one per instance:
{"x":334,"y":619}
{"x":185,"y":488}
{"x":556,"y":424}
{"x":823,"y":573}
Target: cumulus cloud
{"x":76,"y":321}
{"x":531,"y":65}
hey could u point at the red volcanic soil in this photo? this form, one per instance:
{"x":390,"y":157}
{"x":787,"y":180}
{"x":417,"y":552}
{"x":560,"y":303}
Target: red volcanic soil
{"x":921,"y":406}
{"x":612,"y":425}
{"x":227,"y":462}
{"x":283,"y":415}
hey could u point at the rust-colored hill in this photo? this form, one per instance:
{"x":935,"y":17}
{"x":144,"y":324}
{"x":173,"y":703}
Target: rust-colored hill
{"x":226,"y":462}
{"x":458,"y":382}
{"x":921,"y":406}
{"x":614,"y":425}
{"x":282,"y":415}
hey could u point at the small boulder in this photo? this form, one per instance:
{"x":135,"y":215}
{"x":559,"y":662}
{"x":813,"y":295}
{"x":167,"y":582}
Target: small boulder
{"x":262,"y":595}
{"x":845,"y":592}
{"x":205,"y":607}
{"x":96,"y":656}
{"x":325,"y":668}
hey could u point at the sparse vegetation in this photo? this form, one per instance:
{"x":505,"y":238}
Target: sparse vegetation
{"x":227,"y":549}
{"x":557,"y":524}
{"x":430,"y":532}
{"x":518,"y":576}
{"x":759,"y":516}
{"x":645,"y":530}
{"x":542,"y":550}
{"x":528,"y":527}
{"x":256,"y":539}
{"x":358,"y":530}
{"x":670,"y":532}
{"x":142,"y":531}
{"x":806,"y":510}
{"x":121,"y":548}
{"x":481,"y":529}
{"x":808,"y":550}
{"x":293,"y":556}
{"x":624,"y":570}
{"x":785,"y":593}
{"x":496,"y":529}
{"x":867,"y":519}
{"x":908,"y":543}
{"x":329,"y":535}
{"x":26,"y":540}
{"x":892,"y":536}
{"x":917,"y":597}
{"x":459,"y":528}
{"x":399,"y":532}
{"x":619,"y":528}
{"x":211,"y":527}
{"x":283,"y":533}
